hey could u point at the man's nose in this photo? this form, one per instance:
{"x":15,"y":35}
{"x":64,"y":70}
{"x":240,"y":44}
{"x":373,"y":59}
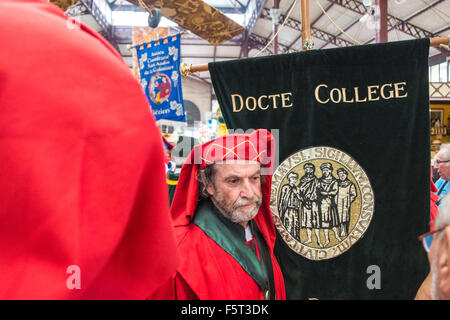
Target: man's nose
{"x":246,"y":189}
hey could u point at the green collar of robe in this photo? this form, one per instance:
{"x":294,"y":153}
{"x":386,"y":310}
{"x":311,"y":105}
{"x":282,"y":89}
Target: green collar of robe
{"x":230,"y":236}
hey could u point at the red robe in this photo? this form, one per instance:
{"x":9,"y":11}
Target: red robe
{"x":82,"y":178}
{"x":433,"y":206}
{"x":206,"y":270}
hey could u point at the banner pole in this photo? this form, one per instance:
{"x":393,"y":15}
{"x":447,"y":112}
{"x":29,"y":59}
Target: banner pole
{"x":306,"y":28}
{"x":188,"y":69}
{"x":437,"y":41}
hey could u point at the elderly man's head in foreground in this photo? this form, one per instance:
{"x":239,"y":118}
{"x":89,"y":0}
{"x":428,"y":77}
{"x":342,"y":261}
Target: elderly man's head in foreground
{"x":438,"y":246}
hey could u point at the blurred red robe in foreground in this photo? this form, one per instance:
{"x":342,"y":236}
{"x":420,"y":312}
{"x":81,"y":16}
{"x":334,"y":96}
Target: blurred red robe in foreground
{"x":82,"y":180}
{"x":433,"y":206}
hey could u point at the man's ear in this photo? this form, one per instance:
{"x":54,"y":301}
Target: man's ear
{"x":444,"y":263}
{"x":210,"y":189}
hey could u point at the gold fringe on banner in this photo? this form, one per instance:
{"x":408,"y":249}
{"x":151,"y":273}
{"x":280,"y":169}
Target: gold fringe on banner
{"x":157,"y":42}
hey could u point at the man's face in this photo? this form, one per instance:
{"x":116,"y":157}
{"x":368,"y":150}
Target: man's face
{"x":342,"y":175}
{"x":443,"y":168}
{"x":237,"y":190}
{"x":309,"y":171}
{"x":292,"y":179}
{"x":326,"y":172}
{"x":438,"y":258}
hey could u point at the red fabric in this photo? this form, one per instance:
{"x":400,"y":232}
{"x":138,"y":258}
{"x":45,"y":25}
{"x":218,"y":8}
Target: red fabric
{"x":82,"y":178}
{"x":207,"y":272}
{"x":223,"y":278}
{"x":252,"y":244}
{"x":433,"y":206}
{"x":168,"y":144}
{"x":433,"y":187}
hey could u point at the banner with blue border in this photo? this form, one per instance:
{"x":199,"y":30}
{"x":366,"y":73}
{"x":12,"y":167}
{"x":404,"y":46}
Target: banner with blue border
{"x":159,"y":69}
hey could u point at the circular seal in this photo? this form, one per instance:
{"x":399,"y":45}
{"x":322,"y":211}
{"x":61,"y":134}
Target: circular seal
{"x":322,"y":202}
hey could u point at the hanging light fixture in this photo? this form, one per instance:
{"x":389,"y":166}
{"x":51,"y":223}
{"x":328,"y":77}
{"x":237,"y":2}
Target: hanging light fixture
{"x":154,"y":17}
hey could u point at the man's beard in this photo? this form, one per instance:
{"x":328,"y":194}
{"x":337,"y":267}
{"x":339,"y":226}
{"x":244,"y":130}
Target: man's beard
{"x":233,"y":212}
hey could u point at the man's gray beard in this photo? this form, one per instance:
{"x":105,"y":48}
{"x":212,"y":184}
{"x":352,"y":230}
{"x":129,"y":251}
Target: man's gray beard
{"x":434,"y":280}
{"x":236,"y":215}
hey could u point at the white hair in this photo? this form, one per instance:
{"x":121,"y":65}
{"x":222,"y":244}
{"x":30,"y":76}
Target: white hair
{"x":445,"y":151}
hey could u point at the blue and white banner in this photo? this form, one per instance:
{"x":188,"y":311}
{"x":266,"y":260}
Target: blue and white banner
{"x":159,"y":69}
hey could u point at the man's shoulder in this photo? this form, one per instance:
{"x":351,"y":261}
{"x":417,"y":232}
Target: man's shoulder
{"x":189,"y":234}
{"x":440,"y":182}
{"x":188,"y":231}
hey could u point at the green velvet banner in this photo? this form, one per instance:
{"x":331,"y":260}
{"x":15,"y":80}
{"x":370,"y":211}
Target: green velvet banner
{"x":351,"y":191}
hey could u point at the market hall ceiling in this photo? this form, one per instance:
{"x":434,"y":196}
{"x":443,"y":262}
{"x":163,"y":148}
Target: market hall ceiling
{"x":333,"y":23}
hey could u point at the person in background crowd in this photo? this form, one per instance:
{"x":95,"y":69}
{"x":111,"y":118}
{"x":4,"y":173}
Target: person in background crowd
{"x":223,"y":222}
{"x":167,"y":149}
{"x":434,"y":170}
{"x":437,"y":245}
{"x":83,"y":197}
{"x":434,"y":210}
{"x":424,"y":291}
{"x":442,"y":165}
{"x":172,"y":175}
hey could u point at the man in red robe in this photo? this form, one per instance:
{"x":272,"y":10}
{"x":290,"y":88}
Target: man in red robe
{"x":223,"y":222}
{"x":83,"y":198}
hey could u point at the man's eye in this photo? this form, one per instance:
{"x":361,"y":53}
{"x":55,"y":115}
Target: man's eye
{"x":233,"y":181}
{"x":256,"y":178}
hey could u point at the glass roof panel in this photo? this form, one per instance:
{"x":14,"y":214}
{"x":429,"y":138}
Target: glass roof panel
{"x":123,"y":16}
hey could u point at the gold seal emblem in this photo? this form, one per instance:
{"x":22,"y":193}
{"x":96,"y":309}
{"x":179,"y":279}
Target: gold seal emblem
{"x":322,"y":202}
